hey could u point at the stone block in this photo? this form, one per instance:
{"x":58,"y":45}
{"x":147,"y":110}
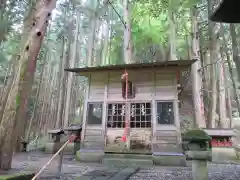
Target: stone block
{"x":51,"y":148}
{"x":164,"y":159}
{"x":127,"y":162}
{"x":199,"y":155}
{"x":89,"y":155}
{"x":85,"y":178}
{"x":224,"y":154}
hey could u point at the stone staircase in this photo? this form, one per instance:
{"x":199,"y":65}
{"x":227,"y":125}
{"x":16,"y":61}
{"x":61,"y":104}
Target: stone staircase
{"x":138,"y":160}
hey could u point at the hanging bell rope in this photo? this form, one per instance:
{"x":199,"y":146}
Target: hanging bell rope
{"x":126,"y":133}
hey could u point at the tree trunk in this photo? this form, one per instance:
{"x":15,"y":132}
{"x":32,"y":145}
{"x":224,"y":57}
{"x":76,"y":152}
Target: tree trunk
{"x":235,"y":51}
{"x":27,"y":137}
{"x":59,"y":89}
{"x":70,"y":75}
{"x":44,"y":99}
{"x":224,"y":123}
{"x":212,"y":49}
{"x":105,"y":59}
{"x":8,"y":87}
{"x":199,"y":120}
{"x":233,"y":81}
{"x":10,"y":124}
{"x":8,"y":74}
{"x":63,"y":89}
{"x":225,"y":50}
{"x":127,"y":34}
{"x":90,"y":57}
{"x":228,"y":92}
{"x":27,"y":26}
{"x":172,"y":33}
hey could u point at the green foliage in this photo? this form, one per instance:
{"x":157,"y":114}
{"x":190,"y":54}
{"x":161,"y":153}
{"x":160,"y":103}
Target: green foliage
{"x":196,"y":134}
{"x":149,"y":26}
{"x":21,"y":176}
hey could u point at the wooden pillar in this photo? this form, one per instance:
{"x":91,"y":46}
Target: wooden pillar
{"x":84,"y":121}
{"x":154,"y":111}
{"x":176,"y":110}
{"x":104,"y":110}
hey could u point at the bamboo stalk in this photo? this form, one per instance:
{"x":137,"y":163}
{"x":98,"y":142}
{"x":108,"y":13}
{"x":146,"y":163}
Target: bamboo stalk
{"x":42,"y":169}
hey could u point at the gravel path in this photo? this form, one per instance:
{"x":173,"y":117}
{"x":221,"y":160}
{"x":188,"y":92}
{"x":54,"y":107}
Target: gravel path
{"x":32,"y":162}
{"x":73,"y":169}
{"x":216,"y":172}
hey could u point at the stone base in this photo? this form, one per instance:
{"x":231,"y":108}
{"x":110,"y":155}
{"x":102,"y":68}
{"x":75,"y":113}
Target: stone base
{"x":110,"y":159}
{"x":169,"y":159}
{"x":89,"y":155}
{"x":133,"y":160}
{"x":199,"y":155}
{"x":199,"y":170}
{"x":224,"y":155}
{"x":49,"y":148}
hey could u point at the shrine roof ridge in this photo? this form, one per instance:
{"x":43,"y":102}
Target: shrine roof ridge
{"x":174,"y":63}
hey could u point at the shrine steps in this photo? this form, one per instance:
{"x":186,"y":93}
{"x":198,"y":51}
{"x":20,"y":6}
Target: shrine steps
{"x":160,"y":159}
{"x":119,"y":159}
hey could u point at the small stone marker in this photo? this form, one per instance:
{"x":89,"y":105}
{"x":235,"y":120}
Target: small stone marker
{"x":55,"y":137}
{"x":75,"y":131}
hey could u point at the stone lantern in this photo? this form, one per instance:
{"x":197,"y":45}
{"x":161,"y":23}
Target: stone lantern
{"x":196,"y":144}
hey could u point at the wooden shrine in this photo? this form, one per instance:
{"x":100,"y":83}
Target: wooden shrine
{"x":150,"y":110}
{"x":220,"y":137}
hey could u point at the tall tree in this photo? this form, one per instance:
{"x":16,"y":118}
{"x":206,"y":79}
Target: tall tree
{"x":235,"y":49}
{"x":72,"y":63}
{"x":172,"y":31}
{"x":127,"y":33}
{"x":213,"y":58}
{"x":199,"y":120}
{"x":10,"y":123}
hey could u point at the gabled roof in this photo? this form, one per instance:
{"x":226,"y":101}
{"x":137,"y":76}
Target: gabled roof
{"x":227,"y":12}
{"x":168,"y":64}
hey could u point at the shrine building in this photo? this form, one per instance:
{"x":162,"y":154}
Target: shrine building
{"x":149,"y":108}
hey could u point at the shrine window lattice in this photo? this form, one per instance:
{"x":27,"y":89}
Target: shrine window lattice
{"x":140,"y":115}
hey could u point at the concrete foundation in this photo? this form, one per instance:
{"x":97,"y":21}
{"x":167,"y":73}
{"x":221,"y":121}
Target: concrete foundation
{"x":134,"y":160}
{"x":224,"y":155}
{"x":89,"y":155}
{"x":165,"y":159}
{"x":51,"y":148}
{"x":86,"y":155}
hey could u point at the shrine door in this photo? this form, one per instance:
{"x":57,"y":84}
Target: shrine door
{"x":139,"y":115}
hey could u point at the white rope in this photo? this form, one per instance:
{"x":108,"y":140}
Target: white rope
{"x":42,"y":169}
